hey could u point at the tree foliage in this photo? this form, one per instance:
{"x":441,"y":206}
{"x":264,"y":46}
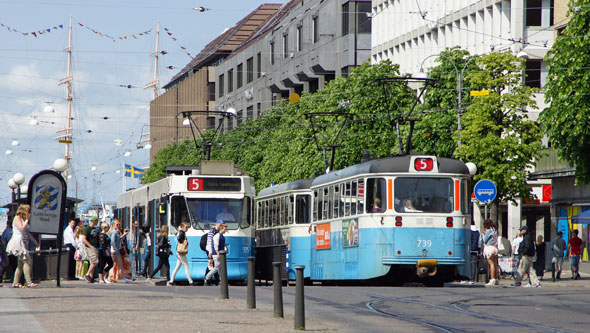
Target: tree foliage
{"x":567,"y":119}
{"x":498,"y":136}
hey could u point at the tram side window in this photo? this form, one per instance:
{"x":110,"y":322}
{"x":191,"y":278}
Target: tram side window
{"x":139,"y":215}
{"x":179,"y":211}
{"x":290,"y":204}
{"x":326,"y":204}
{"x":266,"y":213}
{"x":259,"y":214}
{"x":347,"y":199}
{"x":376,"y":195}
{"x":361,"y":196}
{"x":246,"y":209}
{"x":353,"y":192}
{"x":302,"y":208}
{"x":464,"y":196}
{"x":283,"y":211}
{"x":320,"y":198}
{"x":336,"y":200}
{"x":315,"y":205}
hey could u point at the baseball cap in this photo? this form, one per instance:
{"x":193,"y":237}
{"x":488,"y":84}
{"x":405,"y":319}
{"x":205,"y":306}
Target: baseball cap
{"x":219,"y":221}
{"x":94,"y":218}
{"x":524,"y":227}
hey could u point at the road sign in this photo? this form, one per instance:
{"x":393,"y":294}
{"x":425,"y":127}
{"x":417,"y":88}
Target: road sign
{"x":485,"y":191}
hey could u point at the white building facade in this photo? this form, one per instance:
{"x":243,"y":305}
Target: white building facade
{"x":412,"y":32}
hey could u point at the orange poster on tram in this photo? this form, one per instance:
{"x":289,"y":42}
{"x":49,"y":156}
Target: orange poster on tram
{"x":322,"y":240}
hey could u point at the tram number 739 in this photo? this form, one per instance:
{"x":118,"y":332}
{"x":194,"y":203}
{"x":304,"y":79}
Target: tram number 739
{"x":424,"y":242}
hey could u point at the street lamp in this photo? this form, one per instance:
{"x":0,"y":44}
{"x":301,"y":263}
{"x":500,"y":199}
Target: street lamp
{"x":18,"y":179}
{"x":459,"y":75}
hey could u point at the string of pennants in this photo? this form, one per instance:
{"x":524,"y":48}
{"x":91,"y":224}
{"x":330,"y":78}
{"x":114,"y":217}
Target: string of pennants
{"x":114,"y":39}
{"x":32,"y":33}
{"x":184,"y":49}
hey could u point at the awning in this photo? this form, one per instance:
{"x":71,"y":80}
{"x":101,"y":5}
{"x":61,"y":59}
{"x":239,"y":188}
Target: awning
{"x":582,"y":218}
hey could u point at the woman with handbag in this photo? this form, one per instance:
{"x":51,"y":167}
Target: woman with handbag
{"x":116,"y":251}
{"x":181,"y":252}
{"x":163,"y":251}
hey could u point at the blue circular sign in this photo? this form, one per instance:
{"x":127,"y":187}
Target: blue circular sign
{"x":485,"y":191}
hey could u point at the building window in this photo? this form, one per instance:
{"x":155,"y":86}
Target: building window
{"x":285,"y":45}
{"x":363,"y":22}
{"x":250,"y":112}
{"x":230,"y":80}
{"x":249,"y":70}
{"x":240,"y":117}
{"x":299,"y":38}
{"x":210,"y":122}
{"x":534,"y":12}
{"x":230,"y":124}
{"x":240,"y":78}
{"x":345,"y":18}
{"x":221,"y":85}
{"x":272,"y":52}
{"x":258,"y":65}
{"x":211,"y":91}
{"x":345,"y":71}
{"x":533,"y":73}
{"x":315,"y":33}
{"x":258,"y":111}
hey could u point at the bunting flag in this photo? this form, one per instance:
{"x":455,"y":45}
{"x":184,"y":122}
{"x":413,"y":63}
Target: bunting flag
{"x":133,"y":172}
{"x":114,"y":39}
{"x":32,"y":33}
{"x":184,"y":49}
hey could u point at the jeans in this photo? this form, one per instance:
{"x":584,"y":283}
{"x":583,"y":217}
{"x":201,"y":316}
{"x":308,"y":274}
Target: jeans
{"x":526,"y":265}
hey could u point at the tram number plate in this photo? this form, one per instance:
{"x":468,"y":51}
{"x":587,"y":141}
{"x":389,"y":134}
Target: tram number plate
{"x":423,"y":164}
{"x":424,"y":242}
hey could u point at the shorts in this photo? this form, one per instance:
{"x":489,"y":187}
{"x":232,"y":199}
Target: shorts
{"x":489,"y":251}
{"x":92,"y":255}
{"x":558,"y":261}
{"x":574,"y":260}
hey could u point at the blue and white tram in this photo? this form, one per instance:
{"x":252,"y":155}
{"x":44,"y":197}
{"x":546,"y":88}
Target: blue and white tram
{"x":396,"y":219}
{"x":201,"y":196}
{"x":283,"y":228}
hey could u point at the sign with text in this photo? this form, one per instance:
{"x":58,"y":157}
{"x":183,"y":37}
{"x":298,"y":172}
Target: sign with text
{"x":47,"y":197}
{"x":322,"y":240}
{"x":214,"y":184}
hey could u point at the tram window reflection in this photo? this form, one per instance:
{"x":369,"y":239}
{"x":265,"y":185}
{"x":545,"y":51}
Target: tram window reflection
{"x":430,"y":195}
{"x":205,"y":212}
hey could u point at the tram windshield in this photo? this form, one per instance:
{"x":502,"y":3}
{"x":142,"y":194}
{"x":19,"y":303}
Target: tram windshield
{"x":205,"y":212}
{"x":429,"y":195}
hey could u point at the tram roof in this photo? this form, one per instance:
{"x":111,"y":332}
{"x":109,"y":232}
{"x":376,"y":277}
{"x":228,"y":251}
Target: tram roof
{"x":389,"y":164}
{"x":301,"y":184}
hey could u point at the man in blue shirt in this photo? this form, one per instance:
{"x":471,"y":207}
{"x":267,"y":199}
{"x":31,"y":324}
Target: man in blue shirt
{"x":217,"y":246}
{"x":12,"y":260}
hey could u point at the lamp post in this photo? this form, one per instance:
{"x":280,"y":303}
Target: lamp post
{"x":13,"y":187}
{"x":18,"y":179}
{"x":459,"y":75}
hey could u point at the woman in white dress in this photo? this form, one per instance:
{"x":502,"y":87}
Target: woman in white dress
{"x":18,"y":246}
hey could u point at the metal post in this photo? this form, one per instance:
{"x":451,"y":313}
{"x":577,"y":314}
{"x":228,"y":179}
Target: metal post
{"x":223,"y":275}
{"x":251,"y":290}
{"x":278,"y":290}
{"x":299,"y":299}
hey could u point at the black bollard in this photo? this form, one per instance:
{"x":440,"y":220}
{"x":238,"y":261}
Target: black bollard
{"x":278,"y":290}
{"x":223,"y":275}
{"x":251,"y":291}
{"x":299,"y":300}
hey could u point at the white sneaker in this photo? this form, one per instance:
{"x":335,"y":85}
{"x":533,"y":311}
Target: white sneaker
{"x":492,"y":282}
{"x":527,"y":286}
{"x":107,"y":281}
{"x":149,"y":280}
{"x":127,"y":281}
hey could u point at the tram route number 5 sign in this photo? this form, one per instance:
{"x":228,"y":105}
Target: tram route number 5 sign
{"x":485,"y":191}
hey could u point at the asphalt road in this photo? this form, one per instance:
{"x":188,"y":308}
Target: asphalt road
{"x":563,"y":306}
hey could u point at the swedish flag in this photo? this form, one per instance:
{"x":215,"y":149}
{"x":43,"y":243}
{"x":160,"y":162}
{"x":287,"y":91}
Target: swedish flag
{"x":133,"y":172}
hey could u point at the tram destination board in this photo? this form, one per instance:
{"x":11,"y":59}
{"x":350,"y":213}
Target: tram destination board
{"x":214,"y":184}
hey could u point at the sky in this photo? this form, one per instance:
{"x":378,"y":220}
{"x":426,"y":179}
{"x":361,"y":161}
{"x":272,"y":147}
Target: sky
{"x":113,"y":42}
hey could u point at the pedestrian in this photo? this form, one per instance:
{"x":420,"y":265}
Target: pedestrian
{"x":125,"y":258}
{"x":80,"y":255}
{"x":181,"y":252}
{"x":527,"y":252}
{"x":18,"y":246}
{"x":105,"y":260}
{"x":217,"y":247}
{"x":163,"y":252}
{"x":574,"y":248}
{"x":117,"y":246}
{"x":137,"y":240}
{"x":70,"y":243}
{"x":540,"y":263}
{"x":490,"y":250}
{"x":557,"y":247}
{"x":3,"y":260}
{"x":91,"y":233}
{"x":148,"y":250}
{"x":515,"y":244}
{"x":12,"y":261}
{"x":208,"y":249}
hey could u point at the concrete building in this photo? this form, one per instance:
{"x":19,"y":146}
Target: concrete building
{"x":193,"y":88}
{"x":411,"y":33}
{"x":299,"y":49}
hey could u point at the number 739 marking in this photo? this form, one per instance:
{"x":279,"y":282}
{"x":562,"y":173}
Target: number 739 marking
{"x":424,"y":242}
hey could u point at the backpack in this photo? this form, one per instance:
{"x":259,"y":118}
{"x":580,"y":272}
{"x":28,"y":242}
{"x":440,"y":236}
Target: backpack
{"x":203,"y":243}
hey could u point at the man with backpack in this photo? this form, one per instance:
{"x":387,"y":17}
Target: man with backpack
{"x":218,"y":245}
{"x":527,"y":251}
{"x":91,"y":233}
{"x":207,"y":246}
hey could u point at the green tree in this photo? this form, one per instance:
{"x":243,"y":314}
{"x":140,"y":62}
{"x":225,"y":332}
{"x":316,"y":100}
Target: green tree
{"x":497,"y":134}
{"x":567,"y":119}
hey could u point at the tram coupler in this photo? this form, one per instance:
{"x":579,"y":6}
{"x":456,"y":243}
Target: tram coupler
{"x":426,"y":267}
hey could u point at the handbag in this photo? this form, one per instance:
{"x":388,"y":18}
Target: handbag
{"x":182,"y":248}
